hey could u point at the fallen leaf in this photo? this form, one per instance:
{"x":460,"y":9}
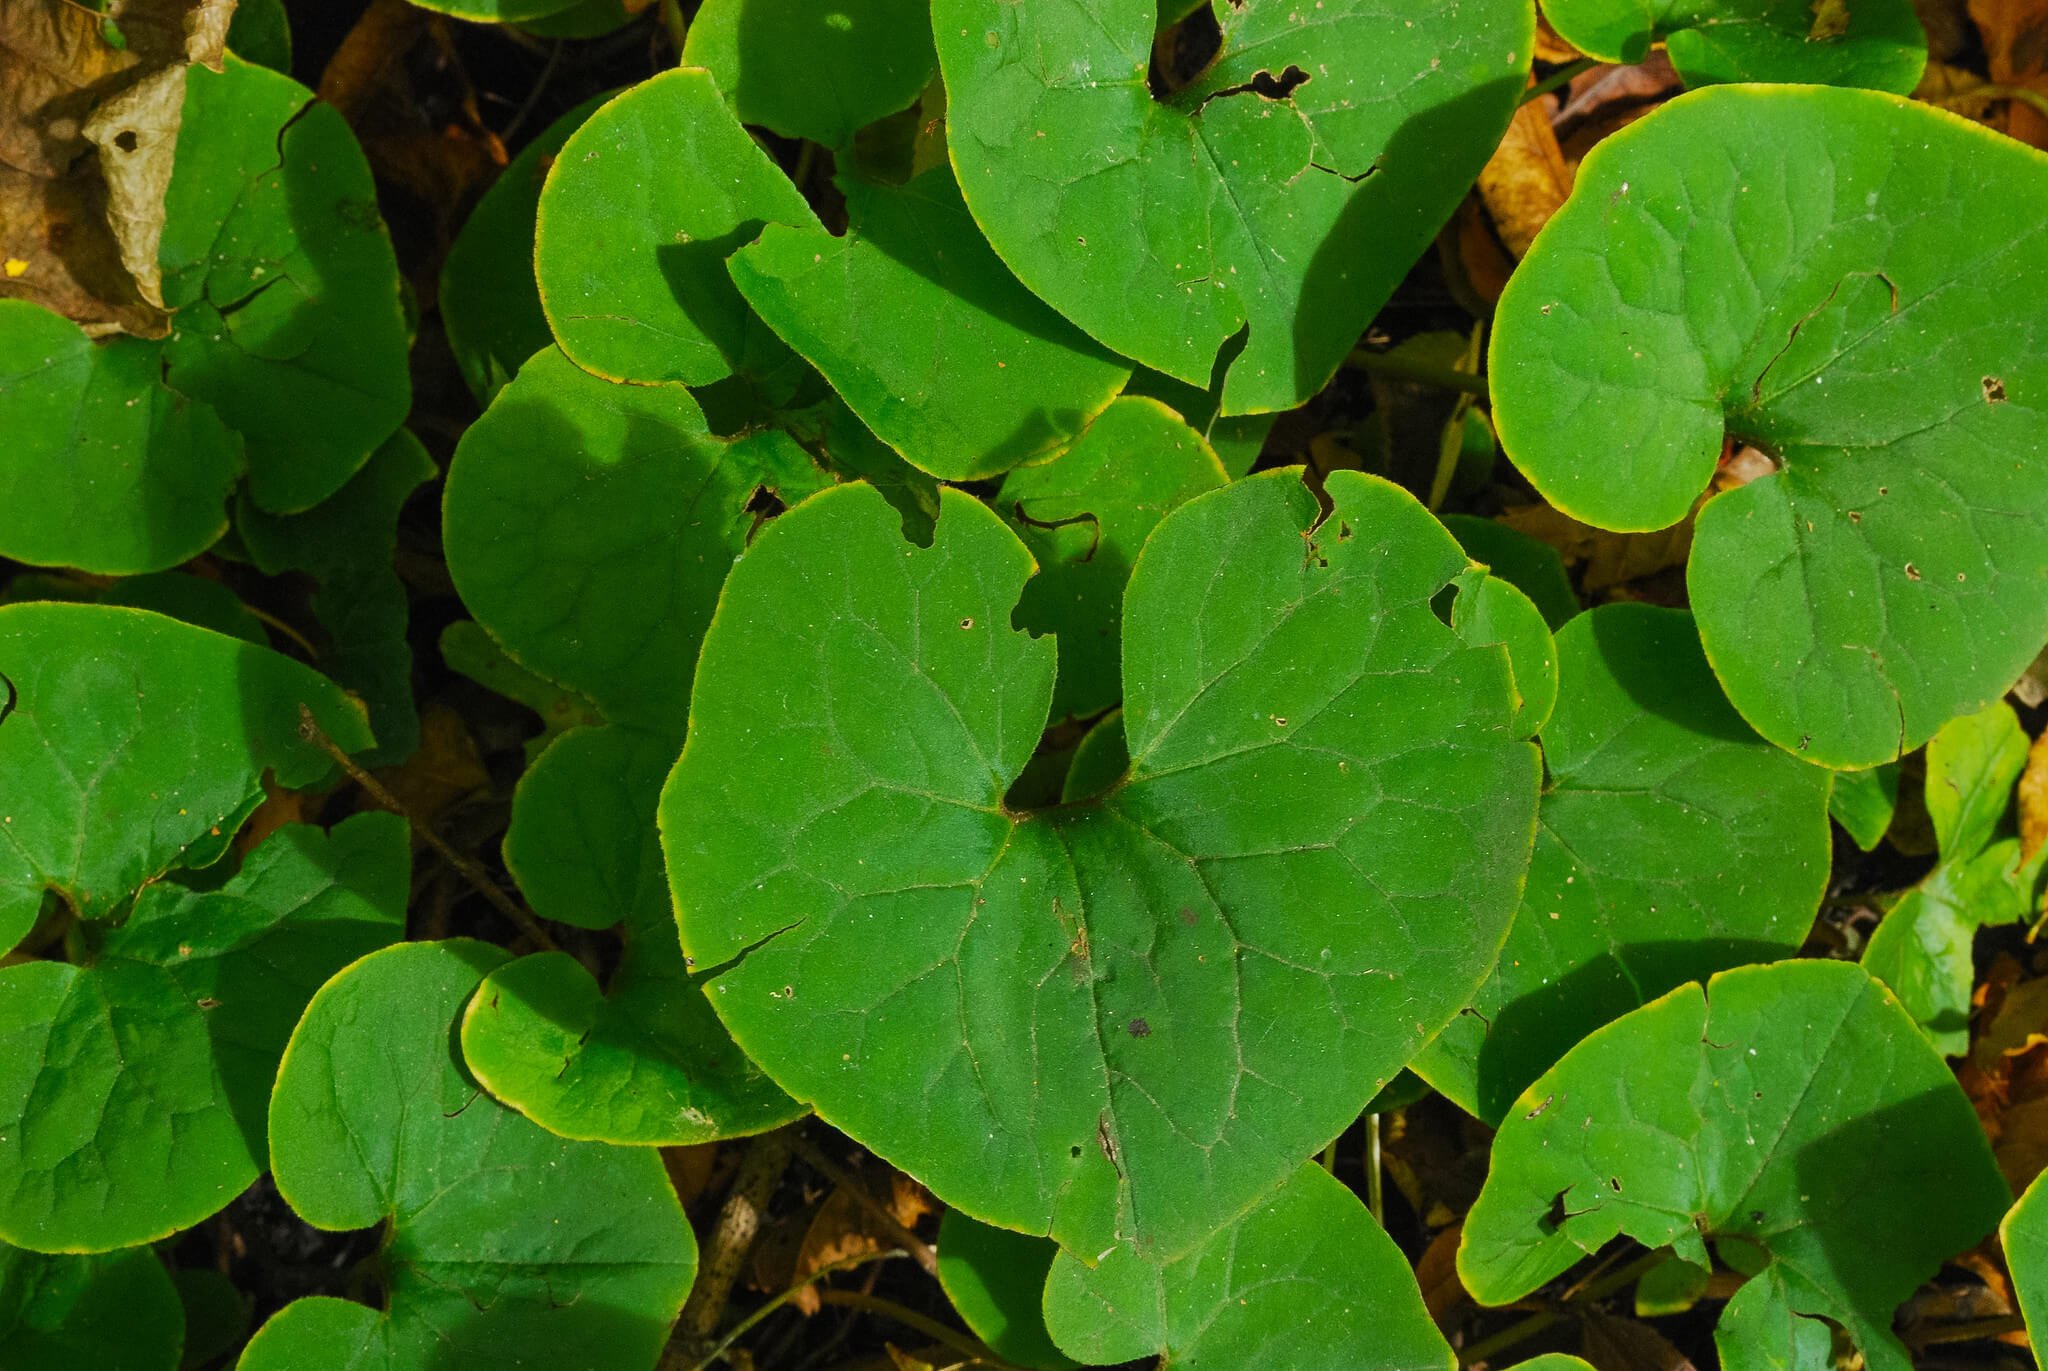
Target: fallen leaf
{"x":689,"y":1170}
{"x":1947,"y":25}
{"x":844,"y":1227}
{"x":1550,"y":47}
{"x":1957,"y":89}
{"x":2015,"y":36}
{"x":88,"y":133}
{"x":1443,"y":1294}
{"x":1609,"y":559}
{"x":445,"y":769}
{"x":1527,"y":178}
{"x":1613,"y":1343}
{"x":2033,"y":793}
{"x":1602,"y":99}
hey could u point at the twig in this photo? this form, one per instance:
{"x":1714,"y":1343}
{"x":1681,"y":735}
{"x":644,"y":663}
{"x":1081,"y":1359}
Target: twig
{"x":910,"y":1318}
{"x":746,"y":1325}
{"x":739,"y":1221}
{"x":1397,"y":368}
{"x":1969,"y":1331}
{"x":919,"y":1250}
{"x":479,"y":879}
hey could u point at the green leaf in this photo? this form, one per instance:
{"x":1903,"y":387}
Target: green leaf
{"x":1129,"y":1019}
{"x":583,"y":19}
{"x":261,"y":32}
{"x":1792,"y":1110}
{"x":1892,"y":575}
{"x":925,"y":333}
{"x":1488,"y":610}
{"x":1166,"y":227}
{"x":1553,"y":1361}
{"x":1670,"y":1287}
{"x":1084,"y":516}
{"x":1306,"y":1280}
{"x":505,"y":1245}
{"x":589,"y":525}
{"x":347,"y":543}
{"x":814,"y":71}
{"x":498,"y":11}
{"x":131,"y":743}
{"x":286,"y":288}
{"x":1672,"y":843}
{"x":1864,"y":801}
{"x":1924,"y":950}
{"x":1527,"y":563}
{"x":116,"y":1312}
{"x":995,"y":1279}
{"x":2024,"y":1235}
{"x":644,"y":1060}
{"x":76,"y":414}
{"x":490,"y":304}
{"x":133,"y":1081}
{"x":643,"y":205}
{"x":216,"y":1315}
{"x":1238,"y":439}
{"x":194,"y":599}
{"x":1875,"y":43}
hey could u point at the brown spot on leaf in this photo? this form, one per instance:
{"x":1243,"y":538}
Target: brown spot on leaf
{"x":1140,"y":1029}
{"x":1994,"y":390}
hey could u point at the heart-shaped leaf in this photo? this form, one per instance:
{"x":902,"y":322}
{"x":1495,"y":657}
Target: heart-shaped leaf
{"x":1286,"y":189}
{"x":287,"y":344}
{"x":1306,"y":1280}
{"x":814,"y":71}
{"x":643,"y":205}
{"x":133,"y":1079}
{"x":490,"y":304}
{"x":1764,"y":1113}
{"x":1128,"y":1019}
{"x":1084,"y":516}
{"x":589,"y":525}
{"x":1924,"y":950}
{"x":1875,"y":43}
{"x":925,"y":333}
{"x":1699,"y":285}
{"x":134,"y":744}
{"x":347,"y":544}
{"x":116,"y":1312}
{"x":644,"y":1060}
{"x":1672,"y":843}
{"x":506,"y":1245}
{"x":996,"y":1281}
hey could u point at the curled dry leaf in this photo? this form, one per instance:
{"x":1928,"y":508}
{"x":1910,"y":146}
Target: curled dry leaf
{"x":88,"y":130}
{"x":844,"y":1228}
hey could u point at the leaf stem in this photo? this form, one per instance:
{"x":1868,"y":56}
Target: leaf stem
{"x":1375,"y":1197}
{"x":1563,"y":76}
{"x":1584,"y":1293}
{"x":1421,"y":373}
{"x":466,"y":866}
{"x":1965,"y":1332}
{"x":918,"y":1249}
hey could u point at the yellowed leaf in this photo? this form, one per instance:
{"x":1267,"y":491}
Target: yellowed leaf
{"x":2034,"y":800}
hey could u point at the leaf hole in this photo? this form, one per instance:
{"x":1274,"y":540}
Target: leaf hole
{"x":126,"y":140}
{"x":764,"y":504}
{"x":1994,"y":390}
{"x":1183,"y":51}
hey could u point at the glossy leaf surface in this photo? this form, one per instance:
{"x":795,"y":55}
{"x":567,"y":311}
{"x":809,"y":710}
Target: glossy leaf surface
{"x":1762,"y":1113}
{"x":1875,"y":43}
{"x":1165,"y":227}
{"x":1130,"y":1019}
{"x":1773,"y":263}
{"x":814,"y":71}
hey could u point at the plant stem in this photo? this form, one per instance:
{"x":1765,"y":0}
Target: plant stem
{"x":1375,"y":1198}
{"x":1965,"y":1332}
{"x":1422,"y":373}
{"x":1585,"y":1293}
{"x":746,"y":1325}
{"x":1563,"y":76}
{"x":918,"y":1249}
{"x":479,"y":879}
{"x":910,"y":1318}
{"x":739,"y":1221}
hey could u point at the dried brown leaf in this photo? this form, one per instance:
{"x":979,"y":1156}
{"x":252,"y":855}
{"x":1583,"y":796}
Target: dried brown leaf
{"x":88,"y":132}
{"x":1527,"y":178}
{"x":844,"y":1227}
{"x":2034,"y":800}
{"x":2016,"y":53}
{"x":1609,"y":559}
